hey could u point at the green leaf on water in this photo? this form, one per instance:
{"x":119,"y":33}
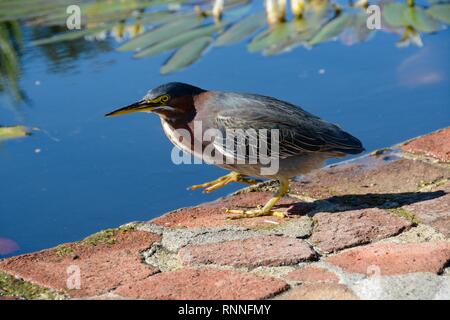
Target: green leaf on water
{"x":419,"y":19}
{"x":241,"y":30}
{"x":300,"y":32}
{"x":401,"y":15}
{"x":259,"y":42}
{"x":271,"y":37}
{"x":178,"y":40}
{"x":357,"y":30}
{"x":162,"y":33}
{"x":360,"y":25}
{"x":7,"y":133}
{"x":230,"y":4}
{"x":70,"y":35}
{"x":154,"y":18}
{"x":186,"y":55}
{"x":440,"y":12}
{"x":394,"y":14}
{"x":11,"y":10}
{"x":332,"y":29}
{"x":236,"y":13}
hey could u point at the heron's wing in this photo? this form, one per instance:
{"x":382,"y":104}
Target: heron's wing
{"x":298,"y":131}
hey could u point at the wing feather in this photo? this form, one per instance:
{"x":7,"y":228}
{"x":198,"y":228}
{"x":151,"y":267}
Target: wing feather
{"x":299,"y":131}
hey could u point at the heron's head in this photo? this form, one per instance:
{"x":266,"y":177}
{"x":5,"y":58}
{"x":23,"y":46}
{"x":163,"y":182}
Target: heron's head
{"x":171,"y":101}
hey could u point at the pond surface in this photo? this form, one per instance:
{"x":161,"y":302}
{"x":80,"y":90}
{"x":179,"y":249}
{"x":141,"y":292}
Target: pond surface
{"x":80,"y":172}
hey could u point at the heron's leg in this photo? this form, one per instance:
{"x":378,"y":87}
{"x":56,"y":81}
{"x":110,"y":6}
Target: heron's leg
{"x":267,"y":209}
{"x":223,"y":181}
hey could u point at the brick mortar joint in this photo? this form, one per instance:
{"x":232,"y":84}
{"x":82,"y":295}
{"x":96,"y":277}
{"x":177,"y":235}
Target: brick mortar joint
{"x":167,"y":260}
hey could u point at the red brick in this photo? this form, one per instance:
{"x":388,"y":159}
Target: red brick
{"x":394,"y":258}
{"x":340,"y":230}
{"x":321,"y":291}
{"x":434,"y":212}
{"x":253,"y":252}
{"x":202,"y":284}
{"x":382,"y":174}
{"x":436,"y":145}
{"x":313,"y":274}
{"x":213,"y":214}
{"x":103,"y":266}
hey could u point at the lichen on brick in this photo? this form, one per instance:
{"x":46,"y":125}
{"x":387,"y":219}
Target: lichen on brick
{"x":108,"y":236}
{"x":64,"y":250}
{"x":10,"y":286}
{"x":402,"y":212}
{"x":427,"y":186}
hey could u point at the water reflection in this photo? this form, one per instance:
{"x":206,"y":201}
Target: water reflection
{"x":420,"y":69}
{"x":189,"y":28}
{"x":7,"y":246}
{"x":11,"y":44}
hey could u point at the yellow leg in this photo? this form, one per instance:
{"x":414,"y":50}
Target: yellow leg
{"x":223,"y":181}
{"x":267,"y":209}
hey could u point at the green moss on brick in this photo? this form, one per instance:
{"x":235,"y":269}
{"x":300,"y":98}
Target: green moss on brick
{"x":64,"y":250}
{"x":108,"y":236}
{"x":429,"y":184}
{"x":405,"y":214}
{"x":10,"y":286}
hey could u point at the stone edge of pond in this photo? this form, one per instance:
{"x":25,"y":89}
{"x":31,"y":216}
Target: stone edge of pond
{"x":373,"y":227}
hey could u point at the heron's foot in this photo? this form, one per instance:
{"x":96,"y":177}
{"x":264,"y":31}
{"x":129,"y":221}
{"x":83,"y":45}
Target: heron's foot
{"x":223,"y":181}
{"x":253,"y":213}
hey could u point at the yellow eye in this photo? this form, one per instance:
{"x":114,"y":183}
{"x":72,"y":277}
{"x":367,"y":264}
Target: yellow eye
{"x":165,"y":98}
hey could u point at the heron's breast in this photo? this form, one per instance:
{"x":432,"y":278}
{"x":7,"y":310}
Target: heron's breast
{"x":186,"y":143}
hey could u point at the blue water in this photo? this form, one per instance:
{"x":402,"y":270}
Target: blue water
{"x":94,"y":172}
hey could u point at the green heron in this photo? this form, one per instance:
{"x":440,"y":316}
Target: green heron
{"x":304,"y":141}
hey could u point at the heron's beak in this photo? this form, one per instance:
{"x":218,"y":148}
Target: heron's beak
{"x":140,"y":106}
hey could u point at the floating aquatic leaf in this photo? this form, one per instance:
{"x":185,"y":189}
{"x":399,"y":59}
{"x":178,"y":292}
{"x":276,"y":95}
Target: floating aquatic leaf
{"x":186,"y":55}
{"x":162,"y":33}
{"x":394,"y":14}
{"x":71,"y":35}
{"x":7,"y":133}
{"x":303,"y":29}
{"x":300,"y":32}
{"x":178,"y":41}
{"x":332,"y":29}
{"x":401,"y":15}
{"x":230,"y":4}
{"x":156,"y":17}
{"x":105,"y":10}
{"x":234,"y":13}
{"x":100,"y":11}
{"x":273,"y":36}
{"x":9,"y":10}
{"x":419,"y":19}
{"x":360,"y":25}
{"x":440,"y":12}
{"x":241,"y":30}
{"x":357,"y":30}
{"x":259,"y":42}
